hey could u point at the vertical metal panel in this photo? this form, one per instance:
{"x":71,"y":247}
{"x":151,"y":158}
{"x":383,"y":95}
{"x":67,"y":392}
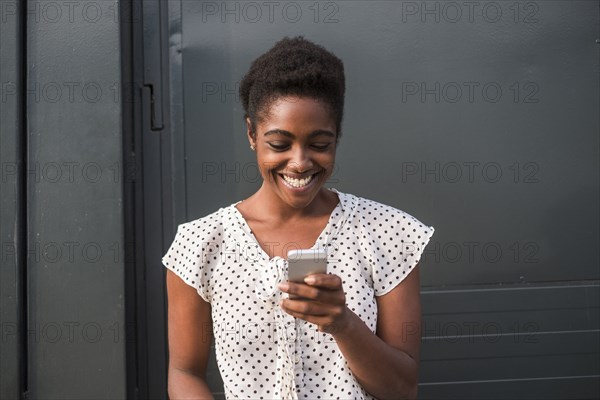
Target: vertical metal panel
{"x":11,"y":200}
{"x":155,"y":293}
{"x":176,"y":131}
{"x":133,"y":311}
{"x":75,"y":227}
{"x":153,"y":191}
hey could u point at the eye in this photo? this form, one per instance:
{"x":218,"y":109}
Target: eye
{"x":321,"y":146}
{"x":279,"y":146}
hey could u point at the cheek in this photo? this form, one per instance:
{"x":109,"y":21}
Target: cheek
{"x":267,"y":164}
{"x":329,"y":166}
{"x":328,"y":161}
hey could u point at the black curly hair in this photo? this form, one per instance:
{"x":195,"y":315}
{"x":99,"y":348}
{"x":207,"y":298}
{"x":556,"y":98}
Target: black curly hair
{"x":296,"y":67}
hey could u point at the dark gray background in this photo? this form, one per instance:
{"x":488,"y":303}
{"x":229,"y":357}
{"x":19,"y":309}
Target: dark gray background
{"x":521,"y":324}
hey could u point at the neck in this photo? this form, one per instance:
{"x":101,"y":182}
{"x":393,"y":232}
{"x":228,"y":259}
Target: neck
{"x":276,"y":210}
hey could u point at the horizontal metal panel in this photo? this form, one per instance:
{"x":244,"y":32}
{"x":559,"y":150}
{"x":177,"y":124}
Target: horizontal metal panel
{"x":526,"y":367}
{"x":539,"y":296}
{"x":534,"y":389}
{"x":524,"y":313}
{"x":512,"y":321}
{"x":491,"y":333}
{"x":502,"y":345}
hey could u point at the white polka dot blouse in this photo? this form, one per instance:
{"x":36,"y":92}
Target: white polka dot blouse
{"x":263,"y":352}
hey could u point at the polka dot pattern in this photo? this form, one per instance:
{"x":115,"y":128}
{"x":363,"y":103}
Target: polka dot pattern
{"x":262,"y":354}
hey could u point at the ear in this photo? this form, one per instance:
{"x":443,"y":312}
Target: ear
{"x":251,"y":135}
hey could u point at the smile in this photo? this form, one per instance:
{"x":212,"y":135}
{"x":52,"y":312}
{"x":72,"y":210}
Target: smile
{"x":297,"y":183}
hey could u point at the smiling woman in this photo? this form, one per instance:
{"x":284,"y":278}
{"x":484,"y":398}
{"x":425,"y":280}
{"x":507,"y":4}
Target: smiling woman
{"x":353,"y":332}
{"x":295,"y":150}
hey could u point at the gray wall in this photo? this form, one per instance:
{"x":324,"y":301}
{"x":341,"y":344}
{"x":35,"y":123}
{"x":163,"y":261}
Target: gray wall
{"x":523,"y":324}
{"x":74,"y":228}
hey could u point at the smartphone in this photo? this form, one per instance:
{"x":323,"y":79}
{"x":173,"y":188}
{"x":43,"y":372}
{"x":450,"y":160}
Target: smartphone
{"x":304,"y":262}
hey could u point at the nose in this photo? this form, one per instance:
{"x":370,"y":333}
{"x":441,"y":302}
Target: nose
{"x":300,"y":161}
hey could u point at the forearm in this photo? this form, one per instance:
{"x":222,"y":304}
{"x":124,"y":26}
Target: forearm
{"x":384,"y":371}
{"x":184,"y":385}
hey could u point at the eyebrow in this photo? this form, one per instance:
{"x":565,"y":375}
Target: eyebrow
{"x":318,"y":132}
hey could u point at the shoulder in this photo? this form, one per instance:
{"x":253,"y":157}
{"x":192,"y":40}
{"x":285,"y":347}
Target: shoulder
{"x":390,"y":239}
{"x":205,"y":229}
{"x":376,"y":214}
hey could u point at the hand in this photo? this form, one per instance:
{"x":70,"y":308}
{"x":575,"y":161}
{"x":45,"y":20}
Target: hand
{"x":322,"y":302}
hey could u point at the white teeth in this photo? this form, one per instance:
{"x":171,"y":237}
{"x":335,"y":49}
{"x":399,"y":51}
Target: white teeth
{"x":298,"y":183}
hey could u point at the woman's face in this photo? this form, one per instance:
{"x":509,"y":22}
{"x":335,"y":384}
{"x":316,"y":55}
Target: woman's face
{"x":295,"y":149}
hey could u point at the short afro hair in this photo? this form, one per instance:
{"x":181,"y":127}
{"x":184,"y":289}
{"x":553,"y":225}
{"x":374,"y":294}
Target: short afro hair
{"x":293,"y":67}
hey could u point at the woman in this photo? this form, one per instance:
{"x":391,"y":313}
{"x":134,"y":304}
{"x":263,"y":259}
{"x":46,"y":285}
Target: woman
{"x":354,"y":332}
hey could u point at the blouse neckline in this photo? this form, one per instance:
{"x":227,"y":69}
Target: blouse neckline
{"x":323,"y":239}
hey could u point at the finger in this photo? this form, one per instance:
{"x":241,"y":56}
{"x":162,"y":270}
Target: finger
{"x":306,"y":317}
{"x":299,"y":289}
{"x":318,"y":294}
{"x":305,"y":308}
{"x":326,"y":281}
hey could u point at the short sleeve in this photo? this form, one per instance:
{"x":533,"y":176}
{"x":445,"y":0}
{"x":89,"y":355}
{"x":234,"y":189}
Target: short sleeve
{"x":186,"y":257}
{"x":400,"y":244}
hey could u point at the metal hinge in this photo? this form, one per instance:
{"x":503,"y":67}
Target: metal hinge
{"x":155,"y":104}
